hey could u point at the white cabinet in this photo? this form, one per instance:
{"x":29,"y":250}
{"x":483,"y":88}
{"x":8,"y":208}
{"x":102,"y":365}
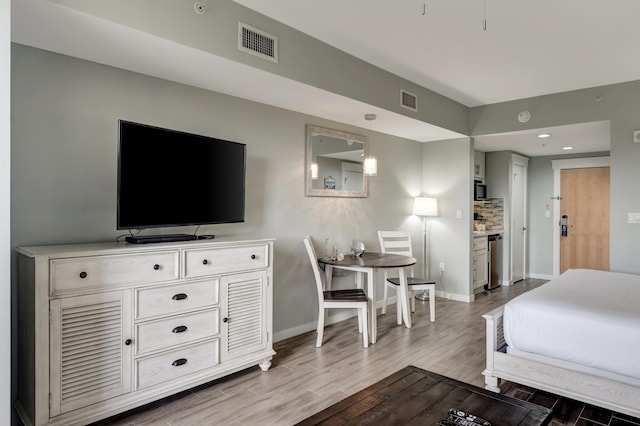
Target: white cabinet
{"x":104,"y":328}
{"x":478,"y":165}
{"x":480,"y":262}
{"x":90,"y":352}
{"x":243,"y":315}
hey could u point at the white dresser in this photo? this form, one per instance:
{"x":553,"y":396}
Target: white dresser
{"x":103,"y":328}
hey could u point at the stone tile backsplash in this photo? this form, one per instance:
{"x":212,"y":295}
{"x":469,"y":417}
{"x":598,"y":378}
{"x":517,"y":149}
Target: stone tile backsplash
{"x":491,"y":213}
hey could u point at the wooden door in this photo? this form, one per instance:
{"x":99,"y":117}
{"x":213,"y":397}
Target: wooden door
{"x":585,"y":202}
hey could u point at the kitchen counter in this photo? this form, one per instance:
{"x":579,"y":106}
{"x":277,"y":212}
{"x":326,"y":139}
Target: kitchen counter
{"x":488,"y":232}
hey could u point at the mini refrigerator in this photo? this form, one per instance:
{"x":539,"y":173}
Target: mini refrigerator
{"x":495,"y":262}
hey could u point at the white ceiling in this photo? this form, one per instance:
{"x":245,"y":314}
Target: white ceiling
{"x":528,"y":49}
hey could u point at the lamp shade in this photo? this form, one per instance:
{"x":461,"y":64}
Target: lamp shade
{"x":424,"y":206}
{"x":370,"y":166}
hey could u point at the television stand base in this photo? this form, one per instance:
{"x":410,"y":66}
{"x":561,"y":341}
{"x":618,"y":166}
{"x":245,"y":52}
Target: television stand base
{"x":149,"y":239}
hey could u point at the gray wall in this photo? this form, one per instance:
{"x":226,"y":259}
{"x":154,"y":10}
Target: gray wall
{"x":64,"y":157}
{"x":5,"y":239}
{"x":540,"y":227}
{"x":448,"y":176}
{"x":619,"y":106}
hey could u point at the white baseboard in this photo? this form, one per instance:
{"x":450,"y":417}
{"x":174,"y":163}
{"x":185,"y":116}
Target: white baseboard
{"x":350,"y":313}
{"x":541,"y":276}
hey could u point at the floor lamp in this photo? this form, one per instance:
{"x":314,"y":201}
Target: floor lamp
{"x":425,"y":207}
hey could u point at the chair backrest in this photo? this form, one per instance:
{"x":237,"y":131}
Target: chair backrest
{"x":395,"y":242}
{"x":313,"y":259}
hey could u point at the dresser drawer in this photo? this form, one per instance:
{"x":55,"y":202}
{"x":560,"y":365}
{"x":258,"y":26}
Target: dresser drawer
{"x":202,"y":262}
{"x":176,"y":298}
{"x":177,"y":330}
{"x":480,"y":243}
{"x":113,"y":271}
{"x":176,"y":364}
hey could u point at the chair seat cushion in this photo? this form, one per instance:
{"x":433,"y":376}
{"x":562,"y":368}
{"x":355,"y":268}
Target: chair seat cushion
{"x":350,"y":295}
{"x":411,"y":281}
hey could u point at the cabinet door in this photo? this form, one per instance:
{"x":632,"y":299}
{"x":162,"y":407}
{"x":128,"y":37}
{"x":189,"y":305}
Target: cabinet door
{"x":482,"y":268}
{"x":90,"y":358}
{"x":244,"y":314}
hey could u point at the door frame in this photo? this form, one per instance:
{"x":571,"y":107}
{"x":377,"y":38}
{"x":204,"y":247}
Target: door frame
{"x":558,"y":166}
{"x":523,"y":162}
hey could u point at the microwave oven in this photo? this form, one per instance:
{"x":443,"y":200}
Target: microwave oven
{"x":479,"y":191}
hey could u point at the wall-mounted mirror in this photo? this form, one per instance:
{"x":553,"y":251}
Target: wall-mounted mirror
{"x":334,"y":163}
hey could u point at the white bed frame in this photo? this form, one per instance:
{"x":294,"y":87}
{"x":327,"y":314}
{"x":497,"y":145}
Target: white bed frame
{"x":560,"y":378}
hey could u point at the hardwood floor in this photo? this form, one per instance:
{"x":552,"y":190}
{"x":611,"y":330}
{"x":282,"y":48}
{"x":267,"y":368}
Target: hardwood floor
{"x":304,"y":379}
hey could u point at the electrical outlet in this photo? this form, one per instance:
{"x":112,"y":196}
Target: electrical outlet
{"x":441,"y":266}
{"x":633,"y":217}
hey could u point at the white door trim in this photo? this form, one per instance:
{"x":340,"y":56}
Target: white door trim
{"x":557,"y":166}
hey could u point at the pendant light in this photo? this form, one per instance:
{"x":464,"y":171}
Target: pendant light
{"x":370,"y":164}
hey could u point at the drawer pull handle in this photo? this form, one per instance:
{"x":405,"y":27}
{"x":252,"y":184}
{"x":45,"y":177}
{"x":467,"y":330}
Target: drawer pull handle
{"x":225,"y":319}
{"x":179,"y":329}
{"x":179,"y":296}
{"x":179,"y":362}
{"x":156,"y":266}
{"x":253,"y":256}
{"x":127,"y":342}
{"x":83,"y":274}
{"x":204,"y":262}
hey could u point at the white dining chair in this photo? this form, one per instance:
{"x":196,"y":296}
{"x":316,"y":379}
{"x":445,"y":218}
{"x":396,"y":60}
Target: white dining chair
{"x":328,"y":299}
{"x":399,"y":242}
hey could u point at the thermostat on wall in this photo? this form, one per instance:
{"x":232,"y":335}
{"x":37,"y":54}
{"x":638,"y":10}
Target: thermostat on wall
{"x":636,"y":136}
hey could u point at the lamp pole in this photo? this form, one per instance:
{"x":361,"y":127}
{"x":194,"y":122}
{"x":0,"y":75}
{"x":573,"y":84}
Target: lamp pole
{"x":425,"y":207}
{"x":427,"y":272}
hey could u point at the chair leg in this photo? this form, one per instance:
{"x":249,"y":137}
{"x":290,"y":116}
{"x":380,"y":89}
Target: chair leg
{"x":365,"y":325}
{"x":399,"y":306}
{"x":320,"y":328}
{"x":384,"y":300}
{"x":432,"y":303}
{"x":413,"y":301}
{"x":359,"y":321}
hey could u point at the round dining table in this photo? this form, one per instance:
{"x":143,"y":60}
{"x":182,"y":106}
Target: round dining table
{"x":367,"y":264}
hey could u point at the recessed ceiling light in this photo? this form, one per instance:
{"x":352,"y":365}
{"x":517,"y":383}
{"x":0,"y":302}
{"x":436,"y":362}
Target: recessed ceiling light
{"x":544,"y":135}
{"x":567,"y":148}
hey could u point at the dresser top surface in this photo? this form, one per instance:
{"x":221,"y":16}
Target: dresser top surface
{"x":113,"y":247}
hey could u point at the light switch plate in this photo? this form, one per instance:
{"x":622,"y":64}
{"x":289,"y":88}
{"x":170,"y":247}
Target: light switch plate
{"x":633,"y":217}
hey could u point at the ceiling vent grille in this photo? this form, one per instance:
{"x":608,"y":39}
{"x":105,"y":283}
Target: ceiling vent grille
{"x":257,"y":42}
{"x":408,"y":100}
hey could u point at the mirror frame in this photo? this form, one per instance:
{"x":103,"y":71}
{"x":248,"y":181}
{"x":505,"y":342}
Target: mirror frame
{"x":312,"y":131}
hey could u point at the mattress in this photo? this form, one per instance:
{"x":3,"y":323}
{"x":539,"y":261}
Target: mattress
{"x":586,"y":317}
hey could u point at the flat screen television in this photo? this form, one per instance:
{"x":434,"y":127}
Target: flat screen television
{"x":171,"y":178}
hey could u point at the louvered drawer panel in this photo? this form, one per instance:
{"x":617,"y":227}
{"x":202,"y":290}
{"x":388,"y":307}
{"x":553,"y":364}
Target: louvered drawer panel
{"x":177,"y":330}
{"x":88,"y":349}
{"x":203,"y":262}
{"x":176,"y":298}
{"x":177,"y":363}
{"x":90,"y":272}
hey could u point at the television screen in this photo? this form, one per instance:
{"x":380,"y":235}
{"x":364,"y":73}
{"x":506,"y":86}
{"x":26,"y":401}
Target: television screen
{"x":171,"y":178}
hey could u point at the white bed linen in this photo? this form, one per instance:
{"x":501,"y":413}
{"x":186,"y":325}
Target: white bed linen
{"x":583,"y":316}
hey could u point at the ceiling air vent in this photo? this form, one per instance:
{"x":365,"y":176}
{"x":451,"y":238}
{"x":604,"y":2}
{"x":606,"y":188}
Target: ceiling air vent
{"x":408,"y":100}
{"x":257,"y":42}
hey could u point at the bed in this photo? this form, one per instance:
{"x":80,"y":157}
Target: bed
{"x":577,"y":336}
